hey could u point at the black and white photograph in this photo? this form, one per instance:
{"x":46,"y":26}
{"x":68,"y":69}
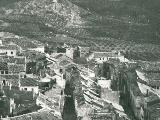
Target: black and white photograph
{"x":79,"y":59}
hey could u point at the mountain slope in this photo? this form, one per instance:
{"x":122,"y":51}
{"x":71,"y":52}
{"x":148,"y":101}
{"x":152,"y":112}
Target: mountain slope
{"x":103,"y":24}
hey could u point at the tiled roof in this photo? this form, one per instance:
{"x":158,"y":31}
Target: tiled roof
{"x":21,"y":97}
{"x":40,"y":115}
{"x":154,"y":109}
{"x":11,"y":59}
{"x":104,"y":54}
{"x":149,"y":66}
{"x":26,"y":108}
{"x":151,"y":98}
{"x":28,"y":82}
{"x":13,"y":79}
{"x":61,"y":57}
{"x":3,"y":66}
{"x":151,"y":77}
{"x":110,"y":95}
{"x":58,"y":56}
{"x":16,"y":68}
{"x":84,"y":48}
{"x":3,"y":54}
{"x":70,"y":67}
{"x":64,"y":63}
{"x":9,"y":47}
{"x":20,"y":60}
{"x":154,"y":83}
{"x":153,"y":103}
{"x":33,"y":55}
{"x":23,"y":42}
{"x":10,"y":76}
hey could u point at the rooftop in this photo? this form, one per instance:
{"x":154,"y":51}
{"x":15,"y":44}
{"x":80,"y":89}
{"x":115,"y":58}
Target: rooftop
{"x":11,"y":59}
{"x":150,"y":77}
{"x":110,"y":95}
{"x":25,"y":43}
{"x":21,"y":97}
{"x":3,"y":66}
{"x":13,"y":79}
{"x":58,"y":56}
{"x":16,"y":68}
{"x":10,"y":76}
{"x":64,"y":63}
{"x":28,"y":82}
{"x":105,"y":54}
{"x":152,"y":98}
{"x":149,"y":66}
{"x":43,"y":114}
{"x":33,"y":55}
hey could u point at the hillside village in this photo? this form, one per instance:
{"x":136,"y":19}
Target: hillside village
{"x":36,"y":82}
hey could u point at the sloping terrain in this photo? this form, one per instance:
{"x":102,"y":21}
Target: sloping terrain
{"x":131,"y":25}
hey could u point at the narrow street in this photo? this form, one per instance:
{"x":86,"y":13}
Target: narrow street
{"x":69,"y":112}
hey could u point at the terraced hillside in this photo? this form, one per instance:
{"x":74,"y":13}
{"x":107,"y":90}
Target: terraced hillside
{"x":105,"y":25}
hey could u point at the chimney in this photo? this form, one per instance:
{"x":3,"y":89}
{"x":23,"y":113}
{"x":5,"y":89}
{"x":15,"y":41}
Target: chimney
{"x":19,"y":83}
{"x":1,"y":42}
{"x":147,"y":94}
{"x":33,"y":94}
{"x":10,"y":86}
{"x":1,"y":86}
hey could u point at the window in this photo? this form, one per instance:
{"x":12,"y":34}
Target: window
{"x":60,"y":70}
{"x":4,"y":82}
{"x":6,"y":72}
{"x":2,"y":72}
{"x":25,"y":89}
{"x":154,"y":87}
{"x":11,"y":52}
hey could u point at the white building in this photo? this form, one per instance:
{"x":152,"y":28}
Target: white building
{"x":29,"y":84}
{"x":104,"y":83}
{"x":101,"y":57}
{"x":40,"y":48}
{"x":69,"y":52}
{"x":9,"y":50}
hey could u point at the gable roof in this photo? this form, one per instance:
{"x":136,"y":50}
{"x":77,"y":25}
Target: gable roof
{"x":104,"y":54}
{"x":8,"y":77}
{"x":11,"y":59}
{"x":34,"y":55}
{"x":16,"y":68}
{"x":28,"y":82}
{"x":43,"y":114}
{"x":58,"y":56}
{"x":13,"y":79}
{"x":9,"y":47}
{"x":3,"y":66}
{"x":20,"y":60}
{"x":149,"y":66}
{"x":152,"y":78}
{"x":21,"y":97}
{"x":64,"y":63}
